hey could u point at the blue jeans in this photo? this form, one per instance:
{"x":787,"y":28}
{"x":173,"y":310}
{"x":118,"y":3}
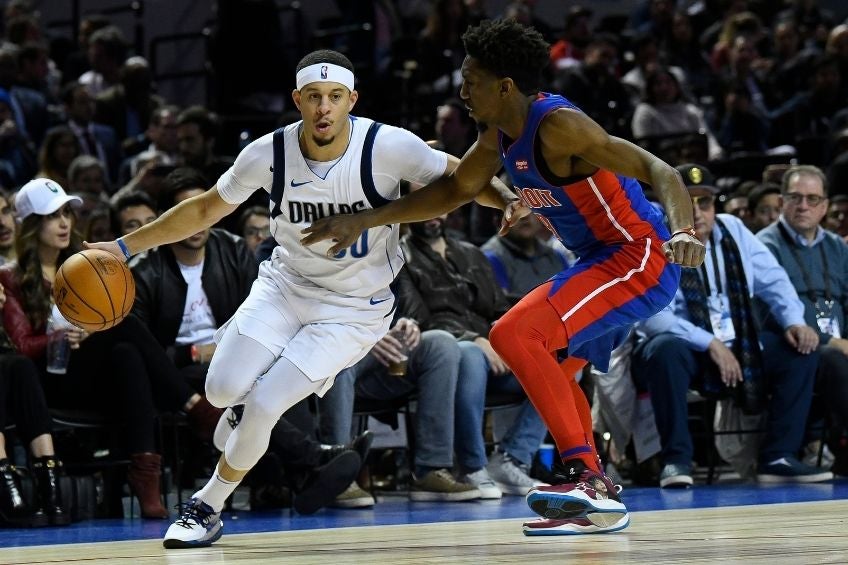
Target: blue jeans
{"x":667,"y":366}
{"x":432,"y":372}
{"x":526,"y":432}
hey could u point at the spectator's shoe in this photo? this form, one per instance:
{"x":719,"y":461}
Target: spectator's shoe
{"x":198,"y":526}
{"x":227,"y":422}
{"x":509,"y":475}
{"x":593,"y":523}
{"x":840,"y":457}
{"x":676,"y":476}
{"x":484,"y":483}
{"x":354,"y":496}
{"x":790,"y":470}
{"x":323,"y":484}
{"x":583,"y":491}
{"x":361,"y":444}
{"x":440,"y":486}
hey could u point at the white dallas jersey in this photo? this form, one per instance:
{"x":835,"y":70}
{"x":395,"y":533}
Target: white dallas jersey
{"x":366,"y":176}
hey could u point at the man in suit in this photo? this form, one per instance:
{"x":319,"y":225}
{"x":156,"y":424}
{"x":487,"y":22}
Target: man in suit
{"x":94,"y":139}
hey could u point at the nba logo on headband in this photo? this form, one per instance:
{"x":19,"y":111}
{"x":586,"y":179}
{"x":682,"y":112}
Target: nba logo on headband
{"x":323,"y":72}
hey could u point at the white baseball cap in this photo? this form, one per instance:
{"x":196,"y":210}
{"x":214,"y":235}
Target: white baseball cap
{"x":42,"y":197}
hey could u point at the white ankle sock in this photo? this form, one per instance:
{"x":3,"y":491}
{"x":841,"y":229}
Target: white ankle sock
{"x":216,"y":491}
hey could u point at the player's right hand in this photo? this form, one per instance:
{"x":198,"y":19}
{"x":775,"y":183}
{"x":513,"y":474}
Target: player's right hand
{"x":514,"y":211}
{"x":110,"y":246}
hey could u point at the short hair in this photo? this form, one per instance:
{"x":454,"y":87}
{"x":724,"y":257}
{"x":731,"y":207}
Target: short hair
{"x":66,"y":95}
{"x":761,"y":192}
{"x":507,"y":48}
{"x":798,"y":170}
{"x":128,"y":200}
{"x":112,"y":40}
{"x":178,"y":180}
{"x":157,"y":114}
{"x":252,"y":211}
{"x":82,"y":163}
{"x":206,"y":121}
{"x":324,"y":56}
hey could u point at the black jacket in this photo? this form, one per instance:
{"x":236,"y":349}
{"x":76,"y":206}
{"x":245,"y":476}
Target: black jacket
{"x":229,"y":270}
{"x":457,"y":294}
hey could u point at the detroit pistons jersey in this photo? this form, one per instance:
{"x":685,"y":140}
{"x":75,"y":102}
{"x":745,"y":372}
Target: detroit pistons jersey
{"x":622,"y":275}
{"x":586,"y":214}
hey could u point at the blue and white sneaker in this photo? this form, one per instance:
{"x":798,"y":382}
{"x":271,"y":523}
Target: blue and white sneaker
{"x":198,"y":526}
{"x":790,"y":470}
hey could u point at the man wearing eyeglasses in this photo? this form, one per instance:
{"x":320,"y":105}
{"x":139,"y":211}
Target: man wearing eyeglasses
{"x":817,"y":263}
{"x":708,"y":339}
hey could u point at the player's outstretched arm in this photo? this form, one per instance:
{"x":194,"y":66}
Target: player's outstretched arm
{"x":183,"y":220}
{"x":473,"y":173}
{"x":587,"y":140}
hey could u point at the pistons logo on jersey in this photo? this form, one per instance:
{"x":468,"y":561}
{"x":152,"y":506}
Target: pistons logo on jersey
{"x":537,"y":198}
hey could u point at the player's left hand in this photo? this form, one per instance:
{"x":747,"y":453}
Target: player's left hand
{"x":514,"y":211}
{"x":342,"y":229}
{"x":685,"y":250}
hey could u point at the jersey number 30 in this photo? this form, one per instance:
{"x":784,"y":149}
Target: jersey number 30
{"x":358,"y":250}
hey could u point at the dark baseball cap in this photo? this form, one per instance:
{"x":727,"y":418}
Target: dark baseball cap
{"x":698,"y":177}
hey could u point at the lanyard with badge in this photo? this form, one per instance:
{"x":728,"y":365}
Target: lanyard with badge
{"x":827,"y":322}
{"x":719,"y":305}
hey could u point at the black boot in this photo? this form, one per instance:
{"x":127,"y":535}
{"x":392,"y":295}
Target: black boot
{"x":14,"y":511}
{"x":47,"y":471}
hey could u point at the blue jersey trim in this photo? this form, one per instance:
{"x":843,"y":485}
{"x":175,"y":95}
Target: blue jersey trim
{"x":365,"y":172}
{"x":278,"y":182}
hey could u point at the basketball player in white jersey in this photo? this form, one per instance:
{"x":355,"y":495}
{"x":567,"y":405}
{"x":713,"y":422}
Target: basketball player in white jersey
{"x":308,"y":316}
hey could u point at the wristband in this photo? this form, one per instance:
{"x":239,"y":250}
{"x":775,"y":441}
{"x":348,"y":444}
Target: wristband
{"x":123,"y":247}
{"x":687,"y":230}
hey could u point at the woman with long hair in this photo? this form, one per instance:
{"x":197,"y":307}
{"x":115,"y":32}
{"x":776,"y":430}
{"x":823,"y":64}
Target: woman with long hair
{"x":122,"y":372}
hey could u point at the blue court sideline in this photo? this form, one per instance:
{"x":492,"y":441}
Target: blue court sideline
{"x":394,"y":510}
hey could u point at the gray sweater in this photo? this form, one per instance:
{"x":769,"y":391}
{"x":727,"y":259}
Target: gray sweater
{"x":836,"y":251}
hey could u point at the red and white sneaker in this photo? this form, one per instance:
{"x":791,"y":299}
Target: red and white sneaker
{"x":583,"y":491}
{"x":592,"y":523}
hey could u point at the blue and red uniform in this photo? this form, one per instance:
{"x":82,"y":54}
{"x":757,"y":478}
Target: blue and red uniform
{"x":621,"y":276}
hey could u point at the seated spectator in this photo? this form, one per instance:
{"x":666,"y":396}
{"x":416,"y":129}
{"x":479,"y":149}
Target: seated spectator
{"x":122,"y":372}
{"x":707,"y":338}
{"x":837,"y":216}
{"x":98,"y":226}
{"x":737,"y":205}
{"x":22,"y":403}
{"x":87,"y":174}
{"x":521,"y":260}
{"x":821,"y":278}
{"x":663,"y":110}
{"x":431,"y":372}
{"x":107,"y":51}
{"x":127,"y":106}
{"x":254,"y":225}
{"x":95,"y":140}
{"x":763,"y":206}
{"x":17,"y":154}
{"x":129,"y":212}
{"x":456,"y":291}
{"x":59,"y":149}
{"x":7,"y":229}
{"x":162,"y":135}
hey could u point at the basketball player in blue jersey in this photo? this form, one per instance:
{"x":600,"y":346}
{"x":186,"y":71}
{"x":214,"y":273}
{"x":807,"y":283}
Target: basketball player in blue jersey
{"x":308,"y":315}
{"x":581,"y":183}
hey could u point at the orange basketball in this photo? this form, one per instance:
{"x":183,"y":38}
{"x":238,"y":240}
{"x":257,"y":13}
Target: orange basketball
{"x":94,"y":290}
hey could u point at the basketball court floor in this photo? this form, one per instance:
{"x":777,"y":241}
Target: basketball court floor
{"x":795,"y":524}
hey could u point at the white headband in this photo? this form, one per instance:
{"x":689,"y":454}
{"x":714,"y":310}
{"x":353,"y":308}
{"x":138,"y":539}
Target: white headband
{"x":325,"y":72}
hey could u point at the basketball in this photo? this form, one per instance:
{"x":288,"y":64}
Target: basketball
{"x":94,"y":290}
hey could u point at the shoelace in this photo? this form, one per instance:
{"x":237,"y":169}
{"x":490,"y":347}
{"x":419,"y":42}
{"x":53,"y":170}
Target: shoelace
{"x":192,"y":510}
